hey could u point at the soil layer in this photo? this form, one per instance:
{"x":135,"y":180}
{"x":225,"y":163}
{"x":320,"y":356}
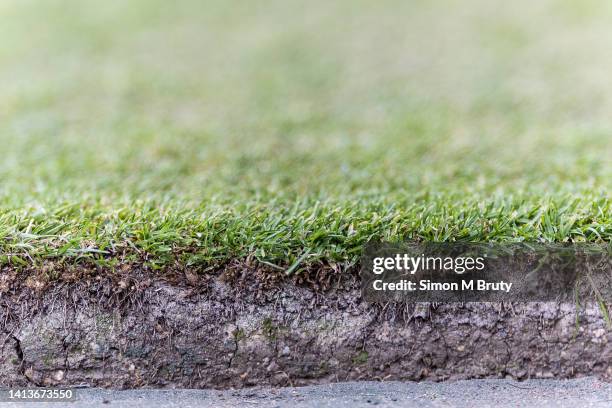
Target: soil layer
{"x":236,"y":330}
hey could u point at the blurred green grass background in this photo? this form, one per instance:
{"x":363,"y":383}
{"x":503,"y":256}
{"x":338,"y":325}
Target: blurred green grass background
{"x":195,"y":132}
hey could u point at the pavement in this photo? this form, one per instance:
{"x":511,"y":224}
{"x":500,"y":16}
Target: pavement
{"x":586,"y":392}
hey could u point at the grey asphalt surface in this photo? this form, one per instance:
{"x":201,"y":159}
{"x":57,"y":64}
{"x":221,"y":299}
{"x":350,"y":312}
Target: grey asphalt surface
{"x":587,"y":392}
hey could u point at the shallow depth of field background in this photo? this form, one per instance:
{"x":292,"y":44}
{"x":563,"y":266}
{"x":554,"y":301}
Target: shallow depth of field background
{"x":199,"y":131}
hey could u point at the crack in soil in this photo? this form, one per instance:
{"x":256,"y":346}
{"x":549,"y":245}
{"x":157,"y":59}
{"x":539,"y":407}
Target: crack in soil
{"x":21,"y":359}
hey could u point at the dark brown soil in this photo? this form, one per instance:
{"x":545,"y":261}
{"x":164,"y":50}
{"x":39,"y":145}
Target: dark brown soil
{"x":236,"y":329}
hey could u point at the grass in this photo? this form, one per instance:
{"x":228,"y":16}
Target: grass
{"x":197,"y":132}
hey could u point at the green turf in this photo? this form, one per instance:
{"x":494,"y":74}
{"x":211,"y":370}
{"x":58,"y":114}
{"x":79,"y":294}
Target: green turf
{"x":195,"y":132}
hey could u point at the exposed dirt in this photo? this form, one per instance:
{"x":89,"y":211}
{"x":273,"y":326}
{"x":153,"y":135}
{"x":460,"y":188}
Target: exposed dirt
{"x":235,"y":329}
